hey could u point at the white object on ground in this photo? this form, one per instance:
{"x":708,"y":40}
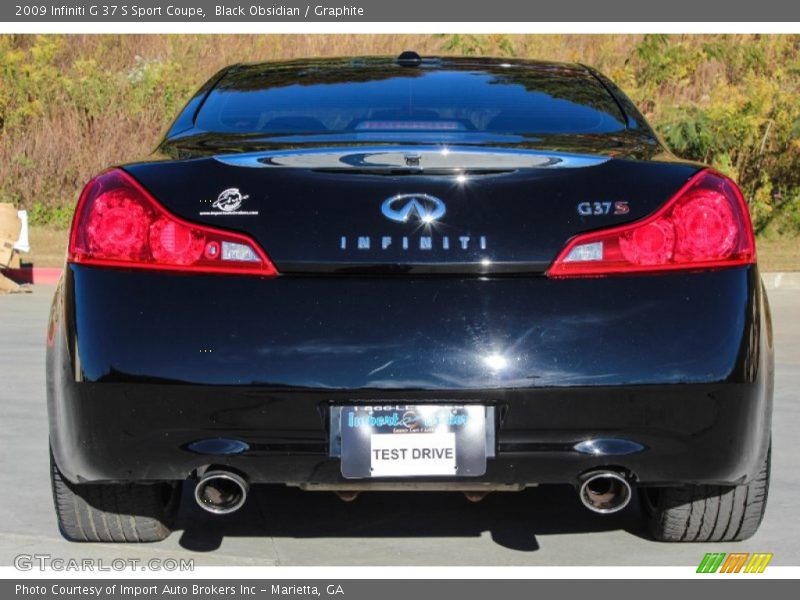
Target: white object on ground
{"x":22,"y":243}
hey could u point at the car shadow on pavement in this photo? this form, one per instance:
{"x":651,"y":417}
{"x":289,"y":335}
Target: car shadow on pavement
{"x":514,"y":520}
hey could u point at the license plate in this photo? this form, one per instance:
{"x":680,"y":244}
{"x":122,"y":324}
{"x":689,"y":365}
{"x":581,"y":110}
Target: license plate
{"x":413,"y":441}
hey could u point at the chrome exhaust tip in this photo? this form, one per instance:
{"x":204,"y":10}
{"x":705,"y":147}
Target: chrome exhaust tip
{"x":347,"y":495}
{"x":475,"y":497}
{"x":604,"y":492}
{"x":221,"y":492}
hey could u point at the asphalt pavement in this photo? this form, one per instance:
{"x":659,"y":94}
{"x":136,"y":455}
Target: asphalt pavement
{"x":282,"y":526}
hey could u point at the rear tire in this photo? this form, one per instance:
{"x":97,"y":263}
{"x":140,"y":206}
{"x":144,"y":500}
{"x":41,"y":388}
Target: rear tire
{"x":707,"y":513}
{"x":111,"y":512}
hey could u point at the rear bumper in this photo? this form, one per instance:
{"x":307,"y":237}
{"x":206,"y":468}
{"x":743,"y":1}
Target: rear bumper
{"x":697,"y":433}
{"x":141,"y":365}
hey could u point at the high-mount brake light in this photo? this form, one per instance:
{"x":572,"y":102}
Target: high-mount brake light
{"x":704,"y":226}
{"x":119,"y":224}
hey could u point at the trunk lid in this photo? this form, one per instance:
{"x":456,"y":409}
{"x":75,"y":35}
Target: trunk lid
{"x":414,"y":209}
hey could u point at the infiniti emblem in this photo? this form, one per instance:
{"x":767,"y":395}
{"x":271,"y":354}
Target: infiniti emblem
{"x":425,"y":207}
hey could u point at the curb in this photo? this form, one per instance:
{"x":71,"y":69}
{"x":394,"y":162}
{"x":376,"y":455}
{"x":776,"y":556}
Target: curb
{"x":784,"y":280}
{"x":37,"y":275}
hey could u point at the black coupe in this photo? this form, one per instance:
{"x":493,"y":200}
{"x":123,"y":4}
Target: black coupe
{"x":364,"y":274}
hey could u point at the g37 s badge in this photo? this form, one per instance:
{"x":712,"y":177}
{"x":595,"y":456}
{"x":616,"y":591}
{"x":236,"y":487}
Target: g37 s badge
{"x":586,"y":209}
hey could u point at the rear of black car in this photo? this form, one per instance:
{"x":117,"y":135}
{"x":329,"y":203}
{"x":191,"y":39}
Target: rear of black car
{"x":355,"y":275}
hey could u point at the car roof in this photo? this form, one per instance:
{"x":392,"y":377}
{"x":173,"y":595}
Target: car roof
{"x":425,"y":62}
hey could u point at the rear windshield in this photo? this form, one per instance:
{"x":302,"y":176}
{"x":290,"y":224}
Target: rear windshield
{"x":327,"y":100}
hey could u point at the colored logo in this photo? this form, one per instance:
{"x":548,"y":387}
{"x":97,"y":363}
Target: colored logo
{"x":735,"y":562}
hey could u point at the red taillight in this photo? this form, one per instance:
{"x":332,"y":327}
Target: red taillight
{"x":119,"y":224}
{"x":705,"y":225}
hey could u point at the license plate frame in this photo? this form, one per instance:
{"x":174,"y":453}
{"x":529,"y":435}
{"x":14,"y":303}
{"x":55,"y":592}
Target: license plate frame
{"x":457,"y":437}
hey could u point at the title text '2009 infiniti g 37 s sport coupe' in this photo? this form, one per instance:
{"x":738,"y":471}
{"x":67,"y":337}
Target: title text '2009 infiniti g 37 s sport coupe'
{"x":350,"y":275}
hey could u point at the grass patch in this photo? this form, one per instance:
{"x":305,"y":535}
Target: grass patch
{"x":778,"y":254}
{"x":48,"y":246}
